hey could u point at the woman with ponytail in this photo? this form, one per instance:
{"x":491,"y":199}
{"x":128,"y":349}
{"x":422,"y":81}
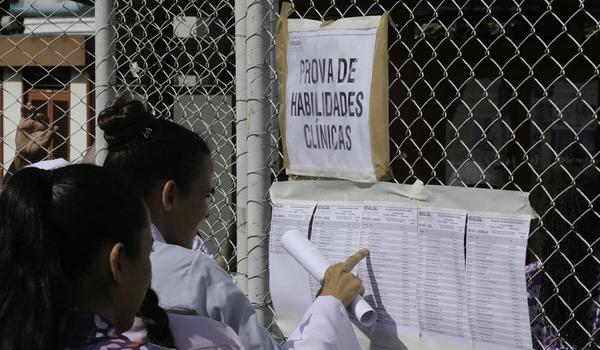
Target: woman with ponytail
{"x":172,"y":169}
{"x":74,"y":260}
{"x":184,"y":332}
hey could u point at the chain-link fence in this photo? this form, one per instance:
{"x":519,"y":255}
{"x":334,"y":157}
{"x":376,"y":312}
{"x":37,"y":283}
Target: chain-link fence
{"x":483,"y":93}
{"x":505,"y":95}
{"x":47,"y":76}
{"x":180,"y":57}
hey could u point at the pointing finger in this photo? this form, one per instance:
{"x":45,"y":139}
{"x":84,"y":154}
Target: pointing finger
{"x":353,"y":260}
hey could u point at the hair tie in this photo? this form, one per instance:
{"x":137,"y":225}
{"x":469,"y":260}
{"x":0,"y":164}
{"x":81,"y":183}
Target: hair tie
{"x":150,"y":121}
{"x":147,"y":132}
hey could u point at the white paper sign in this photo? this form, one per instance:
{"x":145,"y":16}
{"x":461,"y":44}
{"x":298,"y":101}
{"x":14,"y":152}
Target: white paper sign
{"x":327,"y":102}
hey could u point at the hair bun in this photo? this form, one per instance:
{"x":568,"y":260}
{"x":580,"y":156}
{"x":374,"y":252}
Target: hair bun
{"x":126,"y":121}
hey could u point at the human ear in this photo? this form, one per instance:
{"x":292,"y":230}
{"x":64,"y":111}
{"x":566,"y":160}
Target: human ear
{"x":115,"y":261}
{"x":168,"y":192}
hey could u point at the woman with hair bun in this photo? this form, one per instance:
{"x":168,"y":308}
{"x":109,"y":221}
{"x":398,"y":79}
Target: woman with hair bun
{"x":172,"y":169}
{"x":74,"y":260}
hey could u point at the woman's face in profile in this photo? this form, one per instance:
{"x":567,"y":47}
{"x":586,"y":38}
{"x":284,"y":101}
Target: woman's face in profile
{"x":192,"y":205}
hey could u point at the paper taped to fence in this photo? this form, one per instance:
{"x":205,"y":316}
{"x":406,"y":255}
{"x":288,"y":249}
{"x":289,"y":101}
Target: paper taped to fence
{"x":429,"y":292}
{"x":334,"y":89}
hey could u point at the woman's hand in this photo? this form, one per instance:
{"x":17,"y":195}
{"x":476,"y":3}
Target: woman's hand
{"x":33,"y":140}
{"x":341,"y":283}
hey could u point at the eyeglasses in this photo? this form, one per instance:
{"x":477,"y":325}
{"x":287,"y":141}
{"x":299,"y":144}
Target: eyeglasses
{"x":210,"y":192}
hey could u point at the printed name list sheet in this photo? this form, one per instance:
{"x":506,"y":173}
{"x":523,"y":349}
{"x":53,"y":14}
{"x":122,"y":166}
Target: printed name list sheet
{"x":289,"y":280}
{"x":336,"y":233}
{"x":441,"y":287}
{"x":389,"y":273}
{"x":429,"y":290}
{"x":496,"y":285}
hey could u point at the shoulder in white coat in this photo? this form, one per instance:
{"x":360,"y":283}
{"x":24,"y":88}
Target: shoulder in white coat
{"x":189,"y":282}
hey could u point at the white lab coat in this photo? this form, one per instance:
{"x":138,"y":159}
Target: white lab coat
{"x":188,"y":281}
{"x":192,"y":332}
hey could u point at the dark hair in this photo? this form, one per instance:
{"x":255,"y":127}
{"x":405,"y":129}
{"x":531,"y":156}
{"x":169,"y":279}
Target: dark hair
{"x":52,"y":225}
{"x":156,"y":321}
{"x":149,"y":149}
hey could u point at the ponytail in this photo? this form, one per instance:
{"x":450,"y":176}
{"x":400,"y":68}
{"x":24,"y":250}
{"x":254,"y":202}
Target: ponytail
{"x":156,"y":321}
{"x":32,"y":293}
{"x":52,"y":226}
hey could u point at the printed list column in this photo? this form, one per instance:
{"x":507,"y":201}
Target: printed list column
{"x":290,"y":289}
{"x":389,"y":273}
{"x":496,"y":282}
{"x":441,"y":285}
{"x":288,"y":216}
{"x":336,"y":233}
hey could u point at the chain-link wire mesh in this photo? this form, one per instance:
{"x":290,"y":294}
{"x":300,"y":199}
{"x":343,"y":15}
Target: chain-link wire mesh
{"x":179,"y":56}
{"x":500,"y":94}
{"x":47,"y":79}
{"x":483,"y":93}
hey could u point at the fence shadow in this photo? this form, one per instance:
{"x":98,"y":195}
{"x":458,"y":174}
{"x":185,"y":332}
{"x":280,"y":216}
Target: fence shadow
{"x":381,"y":340}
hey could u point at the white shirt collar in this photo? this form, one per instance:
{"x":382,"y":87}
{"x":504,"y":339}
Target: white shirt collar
{"x":158,"y":237}
{"x":198,"y":242}
{"x":49,"y":164}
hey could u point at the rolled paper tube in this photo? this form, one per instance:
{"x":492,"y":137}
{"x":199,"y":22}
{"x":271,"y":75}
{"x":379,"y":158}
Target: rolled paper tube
{"x":307,"y":255}
{"x":363,"y":311}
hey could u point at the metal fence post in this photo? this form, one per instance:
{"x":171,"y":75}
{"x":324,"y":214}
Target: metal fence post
{"x":105,"y":67}
{"x":257,"y":113}
{"x":241,"y":151}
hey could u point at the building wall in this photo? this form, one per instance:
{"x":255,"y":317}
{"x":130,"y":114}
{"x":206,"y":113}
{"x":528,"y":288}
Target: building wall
{"x":12,"y":99}
{"x":78,"y":113}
